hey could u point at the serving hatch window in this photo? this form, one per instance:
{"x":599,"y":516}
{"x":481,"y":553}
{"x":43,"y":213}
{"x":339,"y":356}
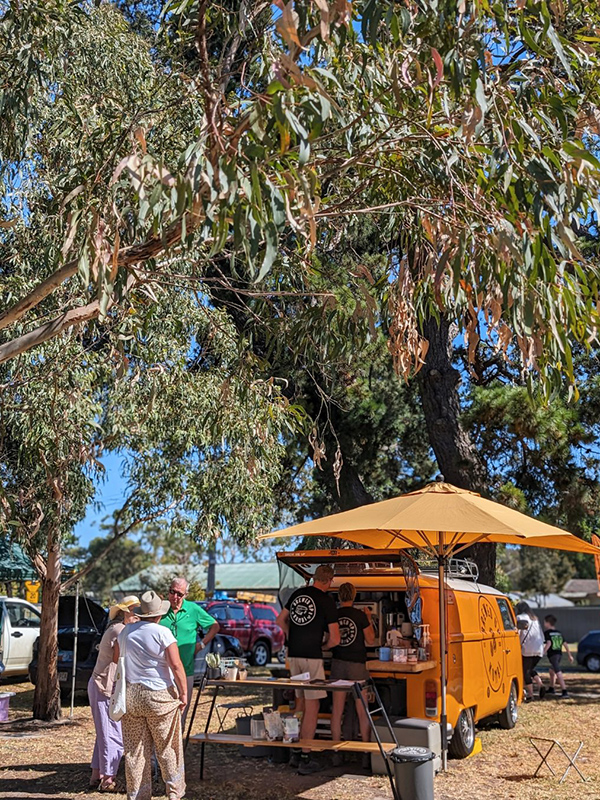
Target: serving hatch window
{"x":505,"y":613}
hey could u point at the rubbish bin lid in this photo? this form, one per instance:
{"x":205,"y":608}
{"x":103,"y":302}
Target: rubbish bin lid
{"x":404,"y":754}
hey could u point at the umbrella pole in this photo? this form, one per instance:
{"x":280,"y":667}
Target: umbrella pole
{"x":75,"y":638}
{"x":442,"y":604}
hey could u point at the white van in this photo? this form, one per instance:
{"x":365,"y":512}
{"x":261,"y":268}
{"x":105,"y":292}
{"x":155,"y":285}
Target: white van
{"x":19,"y":628}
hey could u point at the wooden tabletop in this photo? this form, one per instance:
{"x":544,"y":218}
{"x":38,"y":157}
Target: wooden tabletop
{"x":396,"y":666}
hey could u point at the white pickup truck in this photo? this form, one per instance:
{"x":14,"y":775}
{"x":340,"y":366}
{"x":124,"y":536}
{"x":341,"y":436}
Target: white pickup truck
{"x":19,"y":628}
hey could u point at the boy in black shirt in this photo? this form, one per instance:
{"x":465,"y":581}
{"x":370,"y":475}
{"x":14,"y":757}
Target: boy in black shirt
{"x":308,"y":616}
{"x":553,"y":648}
{"x":349,"y":661}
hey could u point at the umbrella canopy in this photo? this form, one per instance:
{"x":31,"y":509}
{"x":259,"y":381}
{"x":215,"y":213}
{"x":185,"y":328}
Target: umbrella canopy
{"x":440,"y":519}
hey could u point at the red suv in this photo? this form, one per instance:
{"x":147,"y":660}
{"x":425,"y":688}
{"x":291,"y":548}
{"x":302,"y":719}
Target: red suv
{"x":253,"y":624}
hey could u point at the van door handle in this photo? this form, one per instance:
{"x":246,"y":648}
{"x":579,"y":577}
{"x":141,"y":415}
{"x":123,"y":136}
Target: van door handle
{"x":17,"y":634}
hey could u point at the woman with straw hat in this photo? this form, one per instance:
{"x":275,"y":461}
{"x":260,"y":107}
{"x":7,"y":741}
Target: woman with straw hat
{"x":155,"y":697}
{"x":108,"y":748}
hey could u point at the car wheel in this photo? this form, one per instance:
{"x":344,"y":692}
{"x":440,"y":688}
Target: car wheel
{"x":261,"y":654}
{"x":281,"y":656}
{"x":592,"y":663}
{"x":508,"y":716}
{"x":463,"y":739}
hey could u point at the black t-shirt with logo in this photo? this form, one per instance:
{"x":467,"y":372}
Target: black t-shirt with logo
{"x":556,"y":642}
{"x":352,"y":645}
{"x":311,"y":613}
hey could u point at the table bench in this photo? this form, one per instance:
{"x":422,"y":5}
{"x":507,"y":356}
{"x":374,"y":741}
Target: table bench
{"x":348,"y":746}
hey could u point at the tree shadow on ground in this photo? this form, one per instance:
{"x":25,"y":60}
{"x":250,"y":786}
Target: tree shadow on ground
{"x":46,"y":779}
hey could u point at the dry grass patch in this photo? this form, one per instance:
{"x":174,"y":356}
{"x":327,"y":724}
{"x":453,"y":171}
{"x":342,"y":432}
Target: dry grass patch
{"x":38,"y":761}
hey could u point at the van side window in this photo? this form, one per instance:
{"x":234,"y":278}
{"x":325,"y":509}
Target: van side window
{"x":505,"y":613}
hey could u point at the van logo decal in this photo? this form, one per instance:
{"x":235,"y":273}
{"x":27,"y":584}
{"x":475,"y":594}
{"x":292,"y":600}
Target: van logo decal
{"x":303,"y":610}
{"x":491,"y":643}
{"x":348,"y":631}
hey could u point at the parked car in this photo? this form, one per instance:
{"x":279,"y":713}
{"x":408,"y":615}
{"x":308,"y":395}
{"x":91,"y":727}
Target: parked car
{"x":253,"y":624}
{"x":19,"y":628}
{"x":588,"y":651}
{"x":92,"y":623}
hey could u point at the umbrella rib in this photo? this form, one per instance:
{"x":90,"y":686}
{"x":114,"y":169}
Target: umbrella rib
{"x":469,"y":544}
{"x":427,"y":547}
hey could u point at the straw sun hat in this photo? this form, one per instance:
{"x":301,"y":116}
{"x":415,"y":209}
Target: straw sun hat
{"x":126,"y":604}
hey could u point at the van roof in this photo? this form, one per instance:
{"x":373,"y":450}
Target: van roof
{"x":390,"y":583}
{"x":376,"y":569}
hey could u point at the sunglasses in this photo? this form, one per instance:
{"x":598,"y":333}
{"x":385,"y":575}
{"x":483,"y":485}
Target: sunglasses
{"x":177,"y":594}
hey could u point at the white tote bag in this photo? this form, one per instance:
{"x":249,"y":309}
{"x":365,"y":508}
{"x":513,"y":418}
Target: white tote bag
{"x":118,"y":700}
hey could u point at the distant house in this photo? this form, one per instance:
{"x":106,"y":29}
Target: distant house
{"x":259,"y":580}
{"x":542,"y":600}
{"x":582,"y":591}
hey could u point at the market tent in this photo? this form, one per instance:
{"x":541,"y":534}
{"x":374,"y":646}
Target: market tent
{"x":14,"y":564}
{"x":441,"y":520}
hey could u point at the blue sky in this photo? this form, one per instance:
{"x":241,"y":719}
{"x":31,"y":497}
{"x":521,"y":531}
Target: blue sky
{"x":110,"y":496}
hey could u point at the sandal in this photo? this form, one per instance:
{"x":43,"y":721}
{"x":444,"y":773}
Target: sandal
{"x":93,"y":786}
{"x":110,"y":786}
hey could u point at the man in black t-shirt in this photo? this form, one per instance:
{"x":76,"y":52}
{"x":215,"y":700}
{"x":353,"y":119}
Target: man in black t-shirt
{"x":309,"y":621}
{"x":350,"y":661}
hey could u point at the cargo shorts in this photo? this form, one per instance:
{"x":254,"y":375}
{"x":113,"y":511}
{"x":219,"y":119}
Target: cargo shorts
{"x":317,"y":672}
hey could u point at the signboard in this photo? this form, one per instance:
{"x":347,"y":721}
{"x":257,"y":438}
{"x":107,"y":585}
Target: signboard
{"x":596,"y":543}
{"x":32,"y":591}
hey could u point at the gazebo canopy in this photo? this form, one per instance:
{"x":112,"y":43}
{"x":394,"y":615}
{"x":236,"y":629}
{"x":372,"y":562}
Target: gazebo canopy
{"x":14,"y":564}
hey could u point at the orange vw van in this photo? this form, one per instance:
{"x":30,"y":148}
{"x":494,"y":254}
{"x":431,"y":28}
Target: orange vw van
{"x":484,"y":667}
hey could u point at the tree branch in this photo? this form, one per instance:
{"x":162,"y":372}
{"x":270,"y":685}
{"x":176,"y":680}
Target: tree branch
{"x":47,"y":331}
{"x":38,"y":294}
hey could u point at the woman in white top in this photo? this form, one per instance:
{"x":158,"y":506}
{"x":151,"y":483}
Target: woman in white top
{"x":532,"y":648}
{"x":156,"y":695}
{"x":108,"y":747}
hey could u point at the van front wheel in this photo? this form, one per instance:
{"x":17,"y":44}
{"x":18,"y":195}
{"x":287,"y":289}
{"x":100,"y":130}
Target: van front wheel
{"x":508,"y":716}
{"x":463,"y":739}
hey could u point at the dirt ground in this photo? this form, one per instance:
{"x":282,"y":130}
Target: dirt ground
{"x":41,"y":762}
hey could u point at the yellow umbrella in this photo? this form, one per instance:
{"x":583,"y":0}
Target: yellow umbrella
{"x":441,"y":520}
{"x":417,"y":519}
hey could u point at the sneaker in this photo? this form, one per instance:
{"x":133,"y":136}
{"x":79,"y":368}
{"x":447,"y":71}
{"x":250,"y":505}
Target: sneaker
{"x":542,"y":692}
{"x":294,"y":758}
{"x":565,"y":693}
{"x":309,"y":766}
{"x":550,"y":690}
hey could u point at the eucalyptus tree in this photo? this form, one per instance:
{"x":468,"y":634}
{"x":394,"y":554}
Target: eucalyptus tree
{"x":256,"y":132}
{"x":199,"y":432}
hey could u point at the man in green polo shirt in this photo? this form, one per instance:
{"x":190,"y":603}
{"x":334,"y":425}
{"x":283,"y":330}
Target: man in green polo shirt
{"x":184,"y":619}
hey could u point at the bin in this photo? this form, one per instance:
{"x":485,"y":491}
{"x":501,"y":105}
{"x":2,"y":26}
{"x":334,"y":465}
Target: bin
{"x":409,"y":731}
{"x":4,"y":702}
{"x":413,"y":769}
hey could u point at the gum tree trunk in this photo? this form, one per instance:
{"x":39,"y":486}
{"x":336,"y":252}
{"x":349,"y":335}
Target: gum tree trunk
{"x":457,"y":457}
{"x":46,"y":699}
